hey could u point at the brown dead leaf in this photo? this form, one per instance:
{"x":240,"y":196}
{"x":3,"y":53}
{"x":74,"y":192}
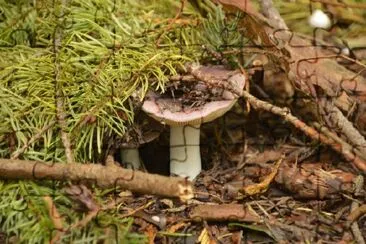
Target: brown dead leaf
{"x":205,"y":238}
{"x":177,"y":226}
{"x":236,"y":238}
{"x":263,"y":186}
{"x":55,"y":216}
{"x":83,"y":196}
{"x":151,"y":232}
{"x":167,"y":202}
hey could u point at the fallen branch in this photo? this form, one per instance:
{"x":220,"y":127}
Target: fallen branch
{"x":285,"y":113}
{"x":224,"y":212}
{"x":102,"y":176}
{"x":309,"y":131}
{"x":343,"y":125}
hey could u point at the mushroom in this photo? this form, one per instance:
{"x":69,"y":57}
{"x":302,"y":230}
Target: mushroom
{"x":319,"y":19}
{"x":184,"y":116}
{"x":133,"y":140}
{"x":130,"y":156}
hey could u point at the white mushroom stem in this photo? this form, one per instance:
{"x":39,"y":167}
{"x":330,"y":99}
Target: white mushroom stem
{"x":131,"y":158}
{"x":185,"y":157}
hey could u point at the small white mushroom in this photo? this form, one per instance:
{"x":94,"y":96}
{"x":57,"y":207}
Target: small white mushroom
{"x":319,"y":19}
{"x":185,"y":121}
{"x":130,"y":148}
{"x":131,"y":157}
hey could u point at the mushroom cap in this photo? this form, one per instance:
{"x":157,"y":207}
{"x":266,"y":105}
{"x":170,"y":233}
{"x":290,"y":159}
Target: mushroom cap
{"x":172,"y":112}
{"x":319,"y":19}
{"x":136,"y":143}
{"x":144,"y":131}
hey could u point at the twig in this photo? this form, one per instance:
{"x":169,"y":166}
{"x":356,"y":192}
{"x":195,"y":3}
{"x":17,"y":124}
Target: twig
{"x":34,"y":138}
{"x":83,"y":222}
{"x":357,"y":213}
{"x":337,"y":139}
{"x":55,"y":217}
{"x":309,"y":131}
{"x":102,"y":176}
{"x":346,"y":128}
{"x":60,"y":113}
{"x":183,"y":2}
{"x":359,"y":183}
{"x":53,"y":213}
{"x":285,"y":113}
{"x":224,"y":212}
{"x":133,"y":212}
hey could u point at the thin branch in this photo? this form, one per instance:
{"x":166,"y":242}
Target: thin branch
{"x":333,"y":136}
{"x":309,"y":131}
{"x":34,"y":138}
{"x":60,"y":113}
{"x":224,"y":212}
{"x":346,"y":128}
{"x":177,"y":16}
{"x":285,"y":113}
{"x":55,"y":216}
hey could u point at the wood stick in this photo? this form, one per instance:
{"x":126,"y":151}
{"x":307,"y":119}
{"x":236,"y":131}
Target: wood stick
{"x":285,"y":113}
{"x":224,"y":212}
{"x":102,"y":176}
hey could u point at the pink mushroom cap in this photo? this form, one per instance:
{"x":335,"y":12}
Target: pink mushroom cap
{"x":171,"y":111}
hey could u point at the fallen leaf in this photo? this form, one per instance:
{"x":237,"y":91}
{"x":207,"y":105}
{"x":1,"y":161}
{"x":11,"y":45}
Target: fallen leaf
{"x":83,"y":196}
{"x":204,"y":237}
{"x":177,"y":226}
{"x":151,"y":232}
{"x":262,"y":186}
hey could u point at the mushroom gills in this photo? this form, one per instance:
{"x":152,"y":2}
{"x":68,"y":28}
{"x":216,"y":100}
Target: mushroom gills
{"x":185,"y":157}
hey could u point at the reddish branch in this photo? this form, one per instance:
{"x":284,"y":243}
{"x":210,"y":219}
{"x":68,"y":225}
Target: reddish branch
{"x":285,"y":113}
{"x":309,"y":131}
{"x":343,"y":125}
{"x":102,"y":176}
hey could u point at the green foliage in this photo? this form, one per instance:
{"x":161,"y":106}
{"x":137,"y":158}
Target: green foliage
{"x":25,"y":218}
{"x":104,"y":57}
{"x":97,"y":54}
{"x":108,"y":52}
